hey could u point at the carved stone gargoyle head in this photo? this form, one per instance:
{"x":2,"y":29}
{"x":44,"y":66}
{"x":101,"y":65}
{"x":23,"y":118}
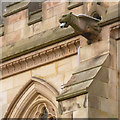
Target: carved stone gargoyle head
{"x":84,"y":25}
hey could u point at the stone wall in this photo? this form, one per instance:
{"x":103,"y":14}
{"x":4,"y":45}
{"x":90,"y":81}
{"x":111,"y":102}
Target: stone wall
{"x":59,"y":58}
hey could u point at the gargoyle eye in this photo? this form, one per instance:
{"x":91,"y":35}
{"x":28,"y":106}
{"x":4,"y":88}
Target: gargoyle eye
{"x":97,"y":16}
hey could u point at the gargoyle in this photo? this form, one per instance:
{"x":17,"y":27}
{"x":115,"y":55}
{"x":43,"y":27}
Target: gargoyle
{"x":84,"y":25}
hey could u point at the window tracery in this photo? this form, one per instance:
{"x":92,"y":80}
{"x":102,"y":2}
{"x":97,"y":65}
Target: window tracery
{"x":33,"y":102}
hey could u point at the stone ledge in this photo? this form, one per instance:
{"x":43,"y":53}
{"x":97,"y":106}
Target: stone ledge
{"x":16,"y":7}
{"x":74,"y":5}
{"x":40,"y":57}
{"x":36,"y":42}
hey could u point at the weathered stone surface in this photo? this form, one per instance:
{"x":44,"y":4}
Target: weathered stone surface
{"x":19,"y":24}
{"x":112,"y":92}
{"x":13,"y":37}
{"x":112,"y":77}
{"x":16,"y":7}
{"x":81,"y":113}
{"x":61,"y":8}
{"x":2,"y":43}
{"x":93,"y":62}
{"x":4,"y":108}
{"x":3,"y":98}
{"x":7,"y":84}
{"x":11,"y":93}
{"x":94,"y":50}
{"x":21,"y":79}
{"x":75,"y":104}
{"x":83,"y":76}
{"x":103,"y":78}
{"x":9,"y":28}
{"x":65,"y":67}
{"x":94,"y":102}
{"x":67,"y":115}
{"x":75,"y":90}
{"x":16,"y":17}
{"x":38,"y":41}
{"x":50,"y":23}
{"x":26,"y":32}
{"x":95,"y":113}
{"x":45,"y":71}
{"x":1,"y":30}
{"x":109,"y":106}
{"x":100,"y":88}
{"x":112,"y":15}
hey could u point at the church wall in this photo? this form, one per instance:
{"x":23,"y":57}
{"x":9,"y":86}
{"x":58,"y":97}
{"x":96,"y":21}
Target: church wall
{"x":105,"y":90}
{"x":118,"y":75}
{"x":16,"y":27}
{"x":60,"y":71}
{"x":56,"y":73}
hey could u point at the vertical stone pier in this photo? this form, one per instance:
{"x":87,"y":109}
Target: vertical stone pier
{"x":92,"y":91}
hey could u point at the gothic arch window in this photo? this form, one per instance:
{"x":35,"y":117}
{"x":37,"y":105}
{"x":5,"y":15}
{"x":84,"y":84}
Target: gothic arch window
{"x":34,"y":101}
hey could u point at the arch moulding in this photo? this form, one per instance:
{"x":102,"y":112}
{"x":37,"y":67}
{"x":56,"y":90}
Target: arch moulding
{"x":30,"y":102}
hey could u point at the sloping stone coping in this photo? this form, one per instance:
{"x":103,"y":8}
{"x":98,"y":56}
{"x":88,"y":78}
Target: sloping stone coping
{"x":16,"y":7}
{"x":1,"y":30}
{"x":83,"y":77}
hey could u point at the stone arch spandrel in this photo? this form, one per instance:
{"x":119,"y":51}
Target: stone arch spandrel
{"x":35,"y":92}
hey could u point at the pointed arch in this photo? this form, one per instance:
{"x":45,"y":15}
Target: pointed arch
{"x":32,"y":98}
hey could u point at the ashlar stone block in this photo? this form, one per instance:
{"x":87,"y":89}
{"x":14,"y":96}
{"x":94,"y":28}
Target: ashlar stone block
{"x":81,"y":113}
{"x":46,"y":70}
{"x":7,"y":83}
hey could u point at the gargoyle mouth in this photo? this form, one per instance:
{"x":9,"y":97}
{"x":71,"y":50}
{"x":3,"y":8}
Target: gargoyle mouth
{"x":64,"y":25}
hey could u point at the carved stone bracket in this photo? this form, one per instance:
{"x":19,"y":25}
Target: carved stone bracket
{"x":40,"y":57}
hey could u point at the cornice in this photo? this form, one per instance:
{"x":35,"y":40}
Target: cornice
{"x":40,"y":57}
{"x":36,"y":42}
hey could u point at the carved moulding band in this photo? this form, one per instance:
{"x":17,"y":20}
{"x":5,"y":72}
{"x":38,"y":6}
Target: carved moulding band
{"x":40,"y":57}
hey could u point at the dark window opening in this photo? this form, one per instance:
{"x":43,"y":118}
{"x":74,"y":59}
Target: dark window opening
{"x":34,"y":7}
{"x":44,"y":115}
{"x":35,"y":11}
